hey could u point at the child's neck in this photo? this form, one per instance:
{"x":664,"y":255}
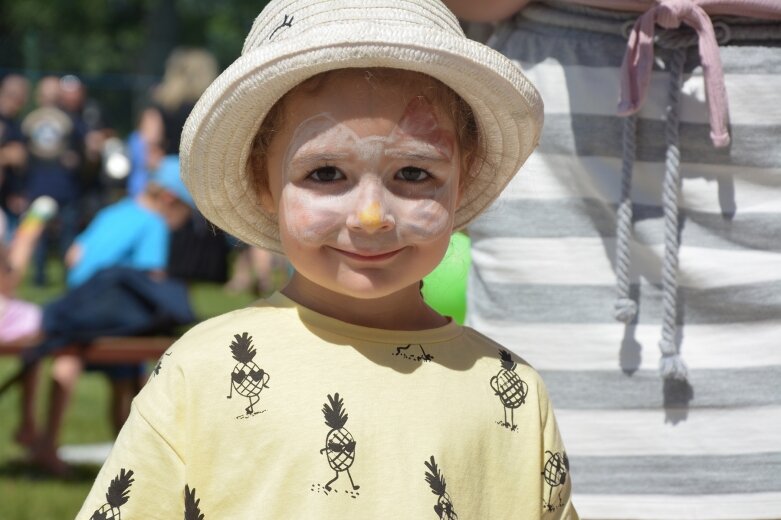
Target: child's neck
{"x":402,"y":310}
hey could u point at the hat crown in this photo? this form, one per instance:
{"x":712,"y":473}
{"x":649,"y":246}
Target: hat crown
{"x":283,"y":19}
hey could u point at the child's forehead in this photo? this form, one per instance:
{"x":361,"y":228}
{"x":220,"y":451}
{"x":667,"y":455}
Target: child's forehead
{"x":353,"y":95}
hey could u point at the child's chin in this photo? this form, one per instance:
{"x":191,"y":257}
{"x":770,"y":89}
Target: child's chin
{"x":370,"y":288}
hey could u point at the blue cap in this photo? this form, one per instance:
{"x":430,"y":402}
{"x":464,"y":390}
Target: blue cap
{"x":167,"y":177}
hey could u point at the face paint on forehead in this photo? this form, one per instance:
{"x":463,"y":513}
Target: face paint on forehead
{"x":418,"y":127}
{"x":419,"y":121}
{"x":308,"y":131}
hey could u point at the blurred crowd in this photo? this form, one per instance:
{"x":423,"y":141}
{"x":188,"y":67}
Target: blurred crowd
{"x":113,"y":211}
{"x":55,"y":141}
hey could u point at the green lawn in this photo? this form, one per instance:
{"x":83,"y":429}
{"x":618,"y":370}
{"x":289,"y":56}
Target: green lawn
{"x":27,"y":494}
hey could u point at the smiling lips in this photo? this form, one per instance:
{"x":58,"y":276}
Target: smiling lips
{"x":368,"y":257}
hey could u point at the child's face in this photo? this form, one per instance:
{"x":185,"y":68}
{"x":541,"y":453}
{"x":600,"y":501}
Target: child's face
{"x":364,"y":179}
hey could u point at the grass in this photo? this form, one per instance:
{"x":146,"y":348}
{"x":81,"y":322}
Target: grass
{"x":28,"y":494}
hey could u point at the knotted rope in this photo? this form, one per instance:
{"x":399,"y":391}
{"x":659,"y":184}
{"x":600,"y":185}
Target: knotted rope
{"x":671,"y":365}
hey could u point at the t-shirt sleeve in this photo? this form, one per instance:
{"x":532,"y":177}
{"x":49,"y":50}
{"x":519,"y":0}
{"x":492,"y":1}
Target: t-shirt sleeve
{"x":556,"y":480}
{"x":93,"y":228}
{"x":152,"y":252}
{"x":144,"y":476}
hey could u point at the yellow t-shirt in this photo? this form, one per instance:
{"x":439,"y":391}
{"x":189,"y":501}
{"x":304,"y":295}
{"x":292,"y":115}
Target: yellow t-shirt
{"x":277,"y":412}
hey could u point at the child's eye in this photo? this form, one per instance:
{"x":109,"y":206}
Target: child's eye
{"x":326,"y":174}
{"x":412,"y":174}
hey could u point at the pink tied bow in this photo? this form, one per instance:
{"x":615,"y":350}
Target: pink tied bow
{"x":639,"y":57}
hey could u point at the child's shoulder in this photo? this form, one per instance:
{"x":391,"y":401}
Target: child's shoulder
{"x":480,"y":340}
{"x":212,"y":343}
{"x":257,"y":315}
{"x":500,"y":355}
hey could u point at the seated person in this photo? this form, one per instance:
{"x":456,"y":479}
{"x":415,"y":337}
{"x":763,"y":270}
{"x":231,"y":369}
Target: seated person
{"x":133,"y":233}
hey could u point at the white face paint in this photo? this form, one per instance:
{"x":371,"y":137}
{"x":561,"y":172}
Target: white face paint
{"x":372,"y":193}
{"x":364,"y":180}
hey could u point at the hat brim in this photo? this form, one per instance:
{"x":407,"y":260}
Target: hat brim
{"x":218,"y":135}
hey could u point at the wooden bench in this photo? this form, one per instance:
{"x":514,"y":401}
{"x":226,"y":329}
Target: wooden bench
{"x":105,"y":351}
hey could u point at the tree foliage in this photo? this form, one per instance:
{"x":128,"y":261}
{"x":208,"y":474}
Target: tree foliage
{"x":118,"y":47}
{"x":118,"y":36}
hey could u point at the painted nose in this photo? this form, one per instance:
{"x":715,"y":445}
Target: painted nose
{"x":371,"y":219}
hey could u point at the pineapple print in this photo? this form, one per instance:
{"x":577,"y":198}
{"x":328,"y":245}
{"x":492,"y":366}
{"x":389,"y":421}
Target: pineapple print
{"x":116,"y":496}
{"x":510,"y":388}
{"x":555,"y":475}
{"x":436,"y":481}
{"x":192,"y":511}
{"x":159,"y":364}
{"x":339,"y":443}
{"x":247,"y":378}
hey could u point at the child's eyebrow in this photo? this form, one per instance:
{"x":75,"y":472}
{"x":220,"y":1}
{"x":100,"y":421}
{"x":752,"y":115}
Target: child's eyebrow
{"x":318,"y":157}
{"x":430,"y":154}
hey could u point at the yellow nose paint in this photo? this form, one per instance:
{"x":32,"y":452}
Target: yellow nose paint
{"x":371,"y":217}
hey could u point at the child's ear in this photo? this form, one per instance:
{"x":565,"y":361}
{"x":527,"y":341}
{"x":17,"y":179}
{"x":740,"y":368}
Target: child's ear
{"x":267,"y":200}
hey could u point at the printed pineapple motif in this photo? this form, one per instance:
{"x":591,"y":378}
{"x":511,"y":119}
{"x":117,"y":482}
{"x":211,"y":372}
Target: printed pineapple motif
{"x":436,"y":481}
{"x":339,"y":443}
{"x":247,"y":378}
{"x":192,"y":511}
{"x":116,"y":496}
{"x":510,"y":388}
{"x":555,"y":474}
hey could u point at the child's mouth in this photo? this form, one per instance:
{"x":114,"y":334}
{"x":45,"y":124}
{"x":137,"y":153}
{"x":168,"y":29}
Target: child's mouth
{"x":367,"y":256}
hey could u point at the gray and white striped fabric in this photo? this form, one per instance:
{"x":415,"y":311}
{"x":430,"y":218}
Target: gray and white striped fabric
{"x":543,"y":281}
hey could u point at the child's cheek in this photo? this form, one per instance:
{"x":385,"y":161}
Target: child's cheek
{"x":423,"y":220}
{"x":310,"y":218}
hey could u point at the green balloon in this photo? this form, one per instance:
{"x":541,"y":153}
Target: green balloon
{"x":444,"y":289}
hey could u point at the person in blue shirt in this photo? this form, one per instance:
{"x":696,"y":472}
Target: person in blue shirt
{"x":134,"y":233}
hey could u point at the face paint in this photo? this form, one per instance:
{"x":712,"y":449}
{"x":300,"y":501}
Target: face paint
{"x":371,"y":218}
{"x":368,"y":203}
{"x":419,"y":122}
{"x":363,"y":179}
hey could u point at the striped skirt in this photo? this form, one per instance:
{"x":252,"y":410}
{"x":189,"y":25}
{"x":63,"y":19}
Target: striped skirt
{"x":543,"y":280}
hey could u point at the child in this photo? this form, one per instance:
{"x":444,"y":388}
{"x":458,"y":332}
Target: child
{"x":20,"y":321}
{"x":346,"y":396}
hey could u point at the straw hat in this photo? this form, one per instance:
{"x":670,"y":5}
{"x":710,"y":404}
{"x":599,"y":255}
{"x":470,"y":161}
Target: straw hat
{"x":293,"y":40}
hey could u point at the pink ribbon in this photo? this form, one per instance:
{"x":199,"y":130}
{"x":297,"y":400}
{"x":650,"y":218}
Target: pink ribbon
{"x":638,"y":61}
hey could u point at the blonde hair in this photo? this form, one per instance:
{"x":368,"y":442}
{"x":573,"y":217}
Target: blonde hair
{"x":187,"y":74}
{"x":443,"y":97}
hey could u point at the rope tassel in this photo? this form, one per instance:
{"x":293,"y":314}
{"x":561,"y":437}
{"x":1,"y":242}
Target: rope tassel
{"x":671,"y":365}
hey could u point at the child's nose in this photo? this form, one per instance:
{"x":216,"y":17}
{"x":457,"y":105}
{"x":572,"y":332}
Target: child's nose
{"x":371,"y":218}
